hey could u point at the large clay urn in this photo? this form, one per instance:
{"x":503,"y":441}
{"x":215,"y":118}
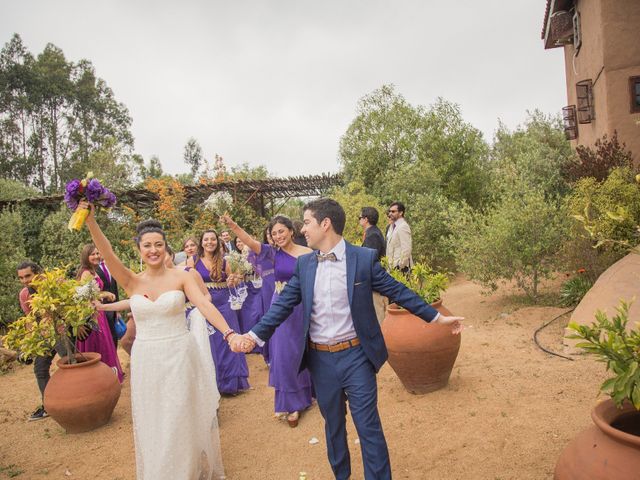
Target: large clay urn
{"x":82,"y":396}
{"x":608,"y":450}
{"x":422,"y":354}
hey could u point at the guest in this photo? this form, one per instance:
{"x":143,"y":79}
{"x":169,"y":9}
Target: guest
{"x":293,"y":388}
{"x":399,"y":239}
{"x":42,"y":364}
{"x":232,"y":371}
{"x":110,"y":285}
{"x":298,"y":236}
{"x":190,"y":249}
{"x":373,"y":238}
{"x":225,"y":236}
{"x":99,"y":340}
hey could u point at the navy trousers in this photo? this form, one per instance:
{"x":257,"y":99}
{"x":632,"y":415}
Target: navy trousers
{"x":349,"y":376}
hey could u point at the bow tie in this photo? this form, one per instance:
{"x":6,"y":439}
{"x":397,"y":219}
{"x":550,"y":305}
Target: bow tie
{"x":326,"y":256}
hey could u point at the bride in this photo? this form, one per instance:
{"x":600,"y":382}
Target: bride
{"x":174,"y":398}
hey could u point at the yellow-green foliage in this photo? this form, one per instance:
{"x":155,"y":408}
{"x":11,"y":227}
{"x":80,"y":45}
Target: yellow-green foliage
{"x":55,"y":311}
{"x":609,"y":210}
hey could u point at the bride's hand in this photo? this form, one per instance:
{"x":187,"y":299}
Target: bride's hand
{"x":85,"y":205}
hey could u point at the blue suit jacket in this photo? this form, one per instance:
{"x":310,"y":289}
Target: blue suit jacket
{"x":364,"y":275}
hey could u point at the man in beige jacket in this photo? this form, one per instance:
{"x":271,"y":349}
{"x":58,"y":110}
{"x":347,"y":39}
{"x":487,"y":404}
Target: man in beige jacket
{"x":399,"y":239}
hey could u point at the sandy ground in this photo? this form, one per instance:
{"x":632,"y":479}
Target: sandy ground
{"x":508,"y":411}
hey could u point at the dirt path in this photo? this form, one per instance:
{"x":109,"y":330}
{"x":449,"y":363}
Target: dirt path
{"x":507,"y":412}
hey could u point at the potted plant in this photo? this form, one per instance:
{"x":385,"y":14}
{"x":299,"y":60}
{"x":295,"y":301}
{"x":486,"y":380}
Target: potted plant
{"x":611,"y":447}
{"x":83,"y":392}
{"x":422,"y":354}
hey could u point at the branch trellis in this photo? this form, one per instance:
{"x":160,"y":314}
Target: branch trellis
{"x":256,"y":192}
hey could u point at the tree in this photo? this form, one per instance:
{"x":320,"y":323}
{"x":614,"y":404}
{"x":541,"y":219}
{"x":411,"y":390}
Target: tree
{"x":518,"y":239}
{"x":152,"y":169}
{"x":54,"y":114}
{"x":14,"y":190}
{"x":534,"y":154}
{"x":391,"y":142}
{"x":193,"y":156}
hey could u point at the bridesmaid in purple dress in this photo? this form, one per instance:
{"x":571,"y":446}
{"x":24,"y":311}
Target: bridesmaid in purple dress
{"x":251,"y":311}
{"x":232,"y":371}
{"x":265,"y":267}
{"x":293,"y":389}
{"x":99,"y":340}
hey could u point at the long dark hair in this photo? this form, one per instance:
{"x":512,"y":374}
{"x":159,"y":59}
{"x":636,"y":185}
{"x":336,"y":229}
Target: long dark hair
{"x":85,"y":264}
{"x":216,"y":272}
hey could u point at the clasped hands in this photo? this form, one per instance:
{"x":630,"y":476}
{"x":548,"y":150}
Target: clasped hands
{"x":241,"y":343}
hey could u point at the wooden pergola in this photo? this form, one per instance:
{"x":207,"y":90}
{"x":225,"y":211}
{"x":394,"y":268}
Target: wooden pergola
{"x":256,"y":192}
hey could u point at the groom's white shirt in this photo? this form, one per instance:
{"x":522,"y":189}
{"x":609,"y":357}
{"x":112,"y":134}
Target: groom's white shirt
{"x":331,"y":320}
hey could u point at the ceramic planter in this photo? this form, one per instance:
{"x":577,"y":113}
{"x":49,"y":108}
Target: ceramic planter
{"x":421,"y":354}
{"x":82,"y":396}
{"x":604,"y":452}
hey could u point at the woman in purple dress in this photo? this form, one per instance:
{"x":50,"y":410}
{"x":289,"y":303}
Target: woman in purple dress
{"x":251,"y":311}
{"x":232,"y":371}
{"x":99,"y":340}
{"x":293,"y":389}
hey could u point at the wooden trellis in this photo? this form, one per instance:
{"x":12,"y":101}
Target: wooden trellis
{"x":255,"y":191}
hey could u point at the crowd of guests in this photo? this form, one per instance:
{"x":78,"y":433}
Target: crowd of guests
{"x":273,"y":258}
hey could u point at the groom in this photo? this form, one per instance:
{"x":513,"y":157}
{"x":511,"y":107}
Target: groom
{"x":344,"y":347}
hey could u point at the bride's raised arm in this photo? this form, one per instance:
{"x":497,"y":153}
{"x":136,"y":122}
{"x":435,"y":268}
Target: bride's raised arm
{"x":122,"y":274}
{"x":247,"y":239}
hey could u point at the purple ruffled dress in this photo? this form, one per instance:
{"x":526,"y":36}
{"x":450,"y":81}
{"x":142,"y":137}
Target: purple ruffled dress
{"x":264,"y":266}
{"x":232,"y":371}
{"x":293,"y":390}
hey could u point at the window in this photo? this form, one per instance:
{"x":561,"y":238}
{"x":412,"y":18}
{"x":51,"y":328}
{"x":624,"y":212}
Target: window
{"x":570,"y":123}
{"x":634,"y":91}
{"x":584,"y":92}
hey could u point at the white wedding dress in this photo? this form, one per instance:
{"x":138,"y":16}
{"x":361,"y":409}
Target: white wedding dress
{"x":174,"y":398}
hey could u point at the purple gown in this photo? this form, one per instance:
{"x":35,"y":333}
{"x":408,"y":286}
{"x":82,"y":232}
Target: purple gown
{"x":263,"y":264}
{"x":231,"y":368}
{"x":100,"y":341}
{"x":251,"y":311}
{"x":293,"y":390}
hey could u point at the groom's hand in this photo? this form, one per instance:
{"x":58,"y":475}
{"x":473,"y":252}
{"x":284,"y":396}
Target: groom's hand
{"x":241,"y":343}
{"x":454,"y":322}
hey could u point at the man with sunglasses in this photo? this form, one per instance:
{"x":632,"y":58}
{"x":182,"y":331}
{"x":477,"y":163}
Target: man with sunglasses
{"x":399,"y":239}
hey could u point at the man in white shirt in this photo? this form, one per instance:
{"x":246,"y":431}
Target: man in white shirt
{"x":344,"y":347}
{"x":399,"y":239}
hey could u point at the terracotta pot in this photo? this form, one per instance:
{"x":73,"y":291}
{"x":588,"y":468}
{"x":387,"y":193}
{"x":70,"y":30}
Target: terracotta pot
{"x":82,"y":396}
{"x":603,"y":452}
{"x":422,"y":354}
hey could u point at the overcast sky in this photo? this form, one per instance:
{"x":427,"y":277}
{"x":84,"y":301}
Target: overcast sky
{"x":276,"y":82}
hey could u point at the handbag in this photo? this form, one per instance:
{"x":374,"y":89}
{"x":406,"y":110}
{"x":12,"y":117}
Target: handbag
{"x":120,"y":327}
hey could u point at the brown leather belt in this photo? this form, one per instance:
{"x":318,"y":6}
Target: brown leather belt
{"x":336,"y":347}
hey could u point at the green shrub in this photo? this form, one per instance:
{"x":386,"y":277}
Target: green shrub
{"x":11,"y":254}
{"x":518,"y":240}
{"x":574,"y":290}
{"x":353,"y":197}
{"x":608,"y":210}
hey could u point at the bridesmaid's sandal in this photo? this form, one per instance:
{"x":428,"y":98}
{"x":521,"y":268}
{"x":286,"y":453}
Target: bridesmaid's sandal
{"x":292,"y":419}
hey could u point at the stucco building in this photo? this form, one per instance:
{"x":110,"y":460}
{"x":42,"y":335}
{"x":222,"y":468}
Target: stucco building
{"x":601,"y":42}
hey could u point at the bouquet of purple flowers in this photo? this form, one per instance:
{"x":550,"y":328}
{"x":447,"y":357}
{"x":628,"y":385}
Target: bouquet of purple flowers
{"x":91,"y":190}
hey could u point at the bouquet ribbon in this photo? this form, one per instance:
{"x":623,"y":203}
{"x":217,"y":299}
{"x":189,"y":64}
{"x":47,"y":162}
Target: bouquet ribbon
{"x":77,"y":219}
